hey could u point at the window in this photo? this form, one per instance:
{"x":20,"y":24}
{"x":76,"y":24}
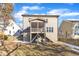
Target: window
{"x":49,"y":29}
{"x":19,"y":31}
{"x":41,"y":24}
{"x":9,"y":32}
{"x":76,"y":30}
{"x":37,"y":24}
{"x":76,"y":33}
{"x":34,"y":25}
{"x":76,"y":27}
{"x":13,"y":27}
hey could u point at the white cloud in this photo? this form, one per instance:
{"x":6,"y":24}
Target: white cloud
{"x":58,"y":11}
{"x":71,"y":14}
{"x":73,"y":19}
{"x":70,"y":3}
{"x":63,"y":12}
{"x":33,"y":7}
{"x":36,"y":8}
{"x":39,"y":14}
{"x":18,"y":15}
{"x":25,"y":7}
{"x":24,"y":10}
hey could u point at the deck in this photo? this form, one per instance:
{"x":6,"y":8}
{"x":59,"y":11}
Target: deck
{"x":37,"y":30}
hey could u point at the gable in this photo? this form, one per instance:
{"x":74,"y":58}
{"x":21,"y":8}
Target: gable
{"x":37,"y":20}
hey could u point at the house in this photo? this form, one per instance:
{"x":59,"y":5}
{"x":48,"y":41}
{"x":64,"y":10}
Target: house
{"x":69,"y":29}
{"x":40,"y":28}
{"x":12,"y":29}
{"x":5,"y":15}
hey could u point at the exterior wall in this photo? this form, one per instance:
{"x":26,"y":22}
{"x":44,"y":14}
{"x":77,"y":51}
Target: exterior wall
{"x":76,"y":31}
{"x":26,"y":25}
{"x":67,"y":28}
{"x":10,"y":28}
{"x":51,"y":22}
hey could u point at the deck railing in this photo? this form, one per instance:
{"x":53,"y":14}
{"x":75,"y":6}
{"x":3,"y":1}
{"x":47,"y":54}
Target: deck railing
{"x":37,"y":29}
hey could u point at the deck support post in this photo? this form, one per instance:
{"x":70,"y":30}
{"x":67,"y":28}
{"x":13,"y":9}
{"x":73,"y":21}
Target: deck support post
{"x":44,"y":33}
{"x":30,"y":31}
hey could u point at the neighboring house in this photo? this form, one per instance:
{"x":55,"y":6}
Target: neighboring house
{"x":12,"y":29}
{"x":40,"y":26}
{"x":69,"y":29}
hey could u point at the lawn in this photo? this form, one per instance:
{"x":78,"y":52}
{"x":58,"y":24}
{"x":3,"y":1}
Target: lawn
{"x":70,"y":41}
{"x":40,"y":49}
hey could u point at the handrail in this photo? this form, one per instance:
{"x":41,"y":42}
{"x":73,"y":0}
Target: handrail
{"x":37,"y":29}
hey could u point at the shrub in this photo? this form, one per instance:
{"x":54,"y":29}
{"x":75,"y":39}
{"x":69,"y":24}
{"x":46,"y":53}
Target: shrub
{"x":5,"y":37}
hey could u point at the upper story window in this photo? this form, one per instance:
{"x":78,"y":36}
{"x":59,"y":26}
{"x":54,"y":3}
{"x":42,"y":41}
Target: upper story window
{"x":9,"y":32}
{"x":49,"y":29}
{"x":13,"y":27}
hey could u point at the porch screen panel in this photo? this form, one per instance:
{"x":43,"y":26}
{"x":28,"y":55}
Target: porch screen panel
{"x":41,"y":24}
{"x":34,"y":25}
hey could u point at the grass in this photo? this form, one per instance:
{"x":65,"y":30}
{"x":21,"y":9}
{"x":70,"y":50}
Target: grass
{"x":33,"y":49}
{"x":49,"y":49}
{"x":71,"y":41}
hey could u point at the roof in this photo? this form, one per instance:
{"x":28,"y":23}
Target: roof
{"x":40,"y":15}
{"x":72,"y":20}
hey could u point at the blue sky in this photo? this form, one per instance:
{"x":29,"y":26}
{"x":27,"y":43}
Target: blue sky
{"x":64,"y":10}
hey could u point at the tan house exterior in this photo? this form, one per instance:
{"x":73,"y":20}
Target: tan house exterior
{"x":40,"y":26}
{"x":69,"y":29}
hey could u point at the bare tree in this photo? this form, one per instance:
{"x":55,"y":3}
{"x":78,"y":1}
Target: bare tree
{"x":5,"y":13}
